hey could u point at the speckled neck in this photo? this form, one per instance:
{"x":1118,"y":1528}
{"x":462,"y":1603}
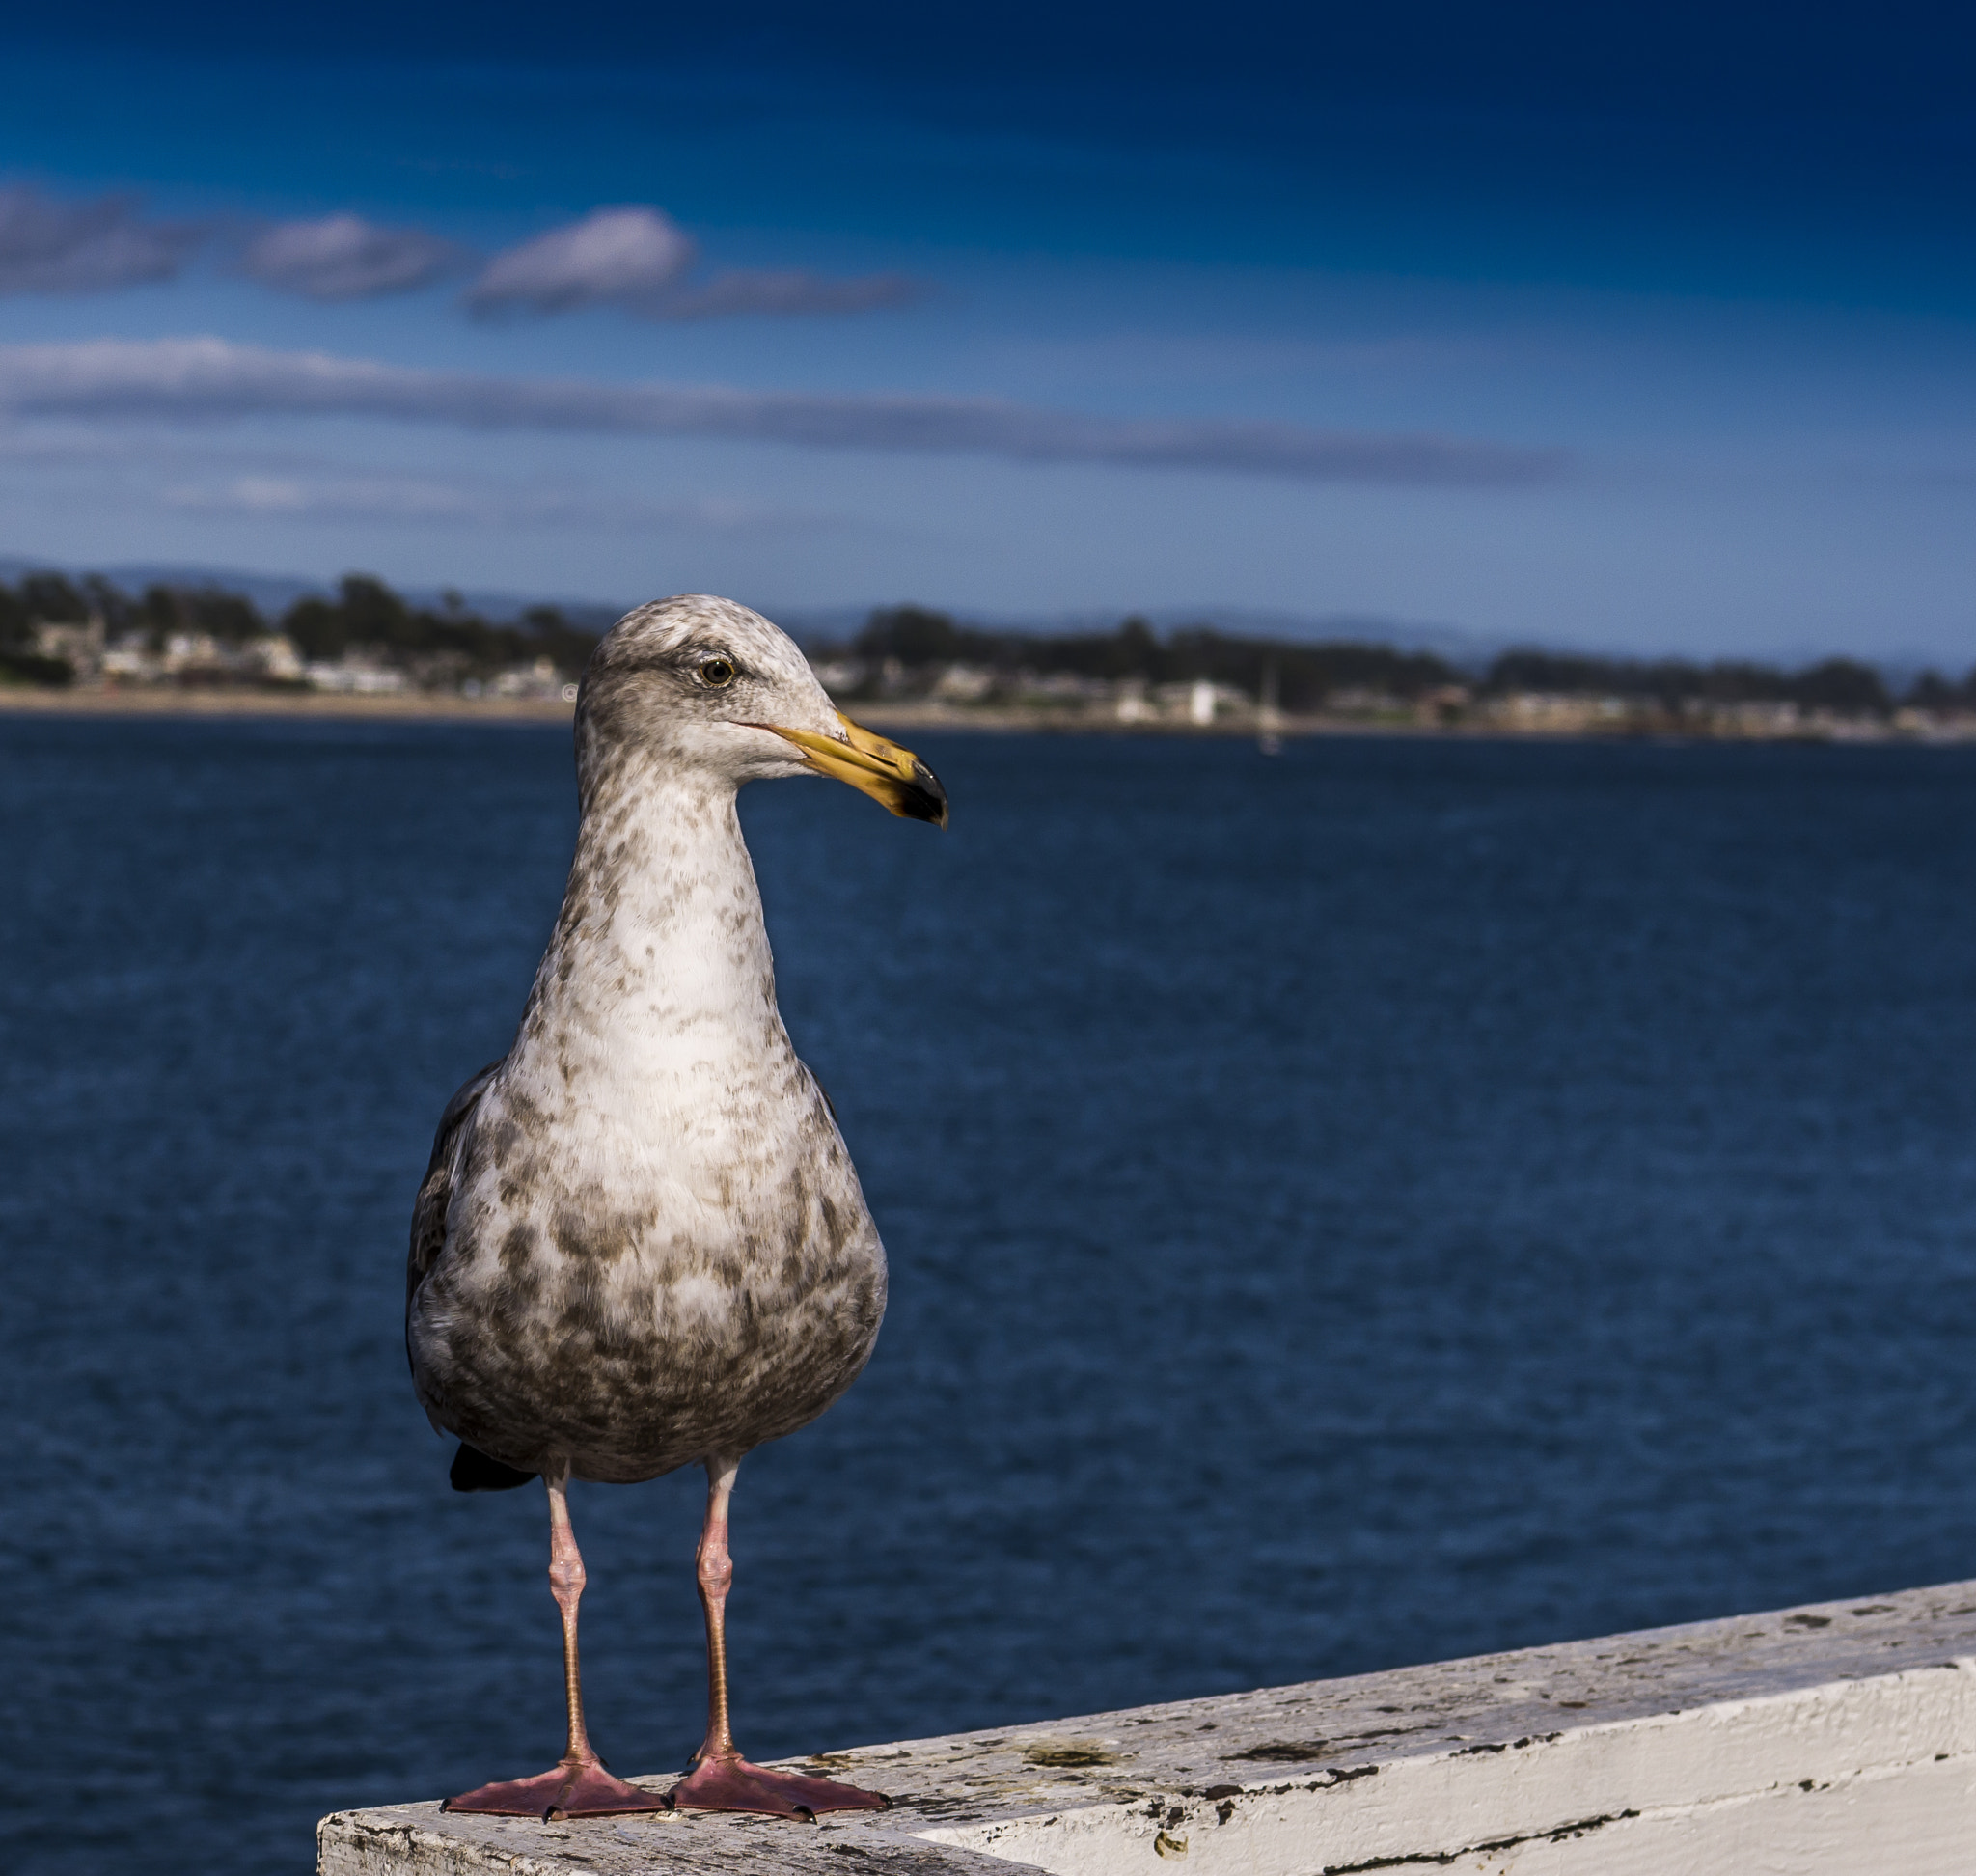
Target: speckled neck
{"x":659,"y":959}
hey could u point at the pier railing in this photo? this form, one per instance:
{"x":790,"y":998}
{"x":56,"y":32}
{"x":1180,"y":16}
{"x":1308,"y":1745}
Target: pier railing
{"x":1839,"y":1738}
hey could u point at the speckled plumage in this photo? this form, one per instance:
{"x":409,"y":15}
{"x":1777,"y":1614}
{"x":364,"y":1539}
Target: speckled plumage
{"x":641,"y":1242}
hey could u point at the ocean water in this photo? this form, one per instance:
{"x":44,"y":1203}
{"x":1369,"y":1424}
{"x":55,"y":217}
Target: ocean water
{"x":1394,"y":1201}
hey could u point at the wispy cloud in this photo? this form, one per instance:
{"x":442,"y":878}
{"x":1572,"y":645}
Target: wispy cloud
{"x":637,"y":259}
{"x":612,"y":256}
{"x":49,"y":246}
{"x":346,"y":258}
{"x":195,"y":379}
{"x":423,"y":501}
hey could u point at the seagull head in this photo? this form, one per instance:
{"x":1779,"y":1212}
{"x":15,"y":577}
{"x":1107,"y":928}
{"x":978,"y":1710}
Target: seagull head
{"x":704,"y":683}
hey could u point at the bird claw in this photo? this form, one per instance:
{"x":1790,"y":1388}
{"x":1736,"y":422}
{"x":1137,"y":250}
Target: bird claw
{"x":733,"y":1784}
{"x":580,"y":1788}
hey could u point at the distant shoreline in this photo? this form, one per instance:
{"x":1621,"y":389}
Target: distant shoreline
{"x":443,"y":708}
{"x":166,"y":701}
{"x":905,"y":716}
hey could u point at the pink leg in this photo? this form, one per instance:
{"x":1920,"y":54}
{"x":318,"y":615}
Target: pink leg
{"x":722,"y":1780}
{"x":579,"y":1786}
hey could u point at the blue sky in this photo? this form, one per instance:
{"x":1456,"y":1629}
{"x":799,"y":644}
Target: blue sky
{"x":1651,"y":329}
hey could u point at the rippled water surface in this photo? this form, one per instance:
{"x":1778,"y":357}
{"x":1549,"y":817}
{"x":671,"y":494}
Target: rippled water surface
{"x":1395,"y":1200}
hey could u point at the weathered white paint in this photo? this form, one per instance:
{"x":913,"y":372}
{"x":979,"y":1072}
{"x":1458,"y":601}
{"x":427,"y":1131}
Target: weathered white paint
{"x":1838,"y":1739}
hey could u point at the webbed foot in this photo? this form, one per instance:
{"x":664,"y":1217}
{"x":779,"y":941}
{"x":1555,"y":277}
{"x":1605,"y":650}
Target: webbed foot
{"x":574,"y":1788}
{"x":733,"y":1784}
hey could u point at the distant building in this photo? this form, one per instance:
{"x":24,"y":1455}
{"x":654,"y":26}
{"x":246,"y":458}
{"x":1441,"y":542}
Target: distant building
{"x":961,"y":683}
{"x":277,"y":656}
{"x":131,"y":660}
{"x":355,"y":673}
{"x":79,"y":647}
{"x":1200,"y":702}
{"x":539,"y":679}
{"x":840,"y":675}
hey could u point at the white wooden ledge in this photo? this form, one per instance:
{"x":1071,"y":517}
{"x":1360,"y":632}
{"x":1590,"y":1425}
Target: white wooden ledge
{"x":1838,"y":1738}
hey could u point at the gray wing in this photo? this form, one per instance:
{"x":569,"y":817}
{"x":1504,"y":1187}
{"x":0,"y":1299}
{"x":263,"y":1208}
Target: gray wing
{"x":428,"y":1212}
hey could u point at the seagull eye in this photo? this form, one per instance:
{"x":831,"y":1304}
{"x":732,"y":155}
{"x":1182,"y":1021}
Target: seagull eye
{"x":717,"y":674}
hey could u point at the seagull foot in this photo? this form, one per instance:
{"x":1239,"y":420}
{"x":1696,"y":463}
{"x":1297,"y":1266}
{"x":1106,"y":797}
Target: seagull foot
{"x":732,"y":1785}
{"x":575,"y":1788}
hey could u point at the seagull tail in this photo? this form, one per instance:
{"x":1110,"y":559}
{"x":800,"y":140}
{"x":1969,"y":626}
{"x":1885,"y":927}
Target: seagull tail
{"x":474,"y":1472}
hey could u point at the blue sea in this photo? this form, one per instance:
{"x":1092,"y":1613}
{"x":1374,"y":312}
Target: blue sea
{"x":1393,"y":1200}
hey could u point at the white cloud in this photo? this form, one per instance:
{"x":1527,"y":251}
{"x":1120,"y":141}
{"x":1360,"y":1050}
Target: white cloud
{"x":346,"y":258}
{"x":201,"y":379}
{"x":48,"y":246}
{"x":637,"y":259}
{"x":619,"y":257}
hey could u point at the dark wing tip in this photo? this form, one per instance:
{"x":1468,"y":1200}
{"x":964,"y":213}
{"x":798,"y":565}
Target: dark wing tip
{"x":474,"y":1472}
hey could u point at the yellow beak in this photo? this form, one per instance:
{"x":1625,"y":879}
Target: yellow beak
{"x":873,"y":766}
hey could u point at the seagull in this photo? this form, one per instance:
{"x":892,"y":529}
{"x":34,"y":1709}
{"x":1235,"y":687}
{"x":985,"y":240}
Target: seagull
{"x":640,"y":1243}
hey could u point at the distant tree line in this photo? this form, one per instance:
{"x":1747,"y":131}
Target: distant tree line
{"x":1307,"y":674}
{"x":1841,"y":684}
{"x":364,"y":613}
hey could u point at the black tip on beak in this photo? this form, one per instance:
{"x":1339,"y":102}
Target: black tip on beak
{"x":923,"y":798}
{"x":872,"y":765}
